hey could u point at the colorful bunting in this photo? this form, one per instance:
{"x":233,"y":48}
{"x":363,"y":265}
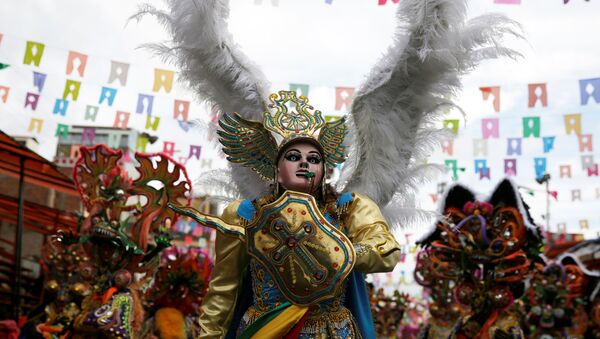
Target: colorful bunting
{"x":3,"y":66}
{"x":434,"y":197}
{"x":39,"y":79}
{"x":553,"y":194}
{"x":452,"y":165}
{"x":184,"y":125}
{"x":452,"y":125}
{"x":537,"y":92}
{"x":88,"y":135}
{"x":274,"y":3}
{"x":163,"y":79}
{"x":60,"y":107}
{"x":114,"y":139}
{"x":490,"y":128}
{"x":35,"y":124}
{"x":107,"y":94}
{"x":495,"y":92}
{"x":121,"y":120}
{"x":206,"y":163}
{"x":531,"y":127}
{"x":510,"y":167}
{"x":91,"y":112}
{"x":141,"y":143}
{"x":118,"y":71}
{"x":576,"y":195}
{"x":548,"y":144}
{"x":484,"y":173}
{"x":62,"y":130}
{"x":540,"y":166}
{"x":448,"y":147}
{"x":583,"y":224}
{"x":152,"y":123}
{"x":343,"y":98}
{"x":33,"y":53}
{"x":76,"y":61}
{"x":585,"y":143}
{"x":75,"y":152}
{"x":71,"y":88}
{"x":169,"y":148}
{"x":480,"y":164}
{"x":572,"y":123}
{"x":565,"y":171}
{"x":300,"y":89}
{"x":513,"y":146}
{"x":480,"y":147}
{"x":383,"y":2}
{"x":592,"y":171}
{"x":181,"y":109}
{"x":587,"y":161}
{"x":4,"y":93}
{"x":567,"y":1}
{"x":31,"y":100}
{"x":589,"y":88}
{"x":195,"y":151}
{"x":144,"y":103}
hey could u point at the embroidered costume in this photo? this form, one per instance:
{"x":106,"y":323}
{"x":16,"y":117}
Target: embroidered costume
{"x":292,"y":263}
{"x":478,"y":256}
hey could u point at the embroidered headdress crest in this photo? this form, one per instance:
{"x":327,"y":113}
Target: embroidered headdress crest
{"x":252,"y":144}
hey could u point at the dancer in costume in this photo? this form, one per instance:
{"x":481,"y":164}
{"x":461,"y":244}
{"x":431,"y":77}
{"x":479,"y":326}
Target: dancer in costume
{"x":125,"y":229}
{"x":303,"y":246}
{"x":482,"y":251}
{"x":391,"y":131}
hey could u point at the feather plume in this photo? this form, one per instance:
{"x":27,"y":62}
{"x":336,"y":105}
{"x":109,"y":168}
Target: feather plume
{"x":408,"y":90}
{"x":212,"y":65}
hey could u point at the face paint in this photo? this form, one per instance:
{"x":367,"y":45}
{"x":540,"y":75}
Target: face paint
{"x":300,"y":168}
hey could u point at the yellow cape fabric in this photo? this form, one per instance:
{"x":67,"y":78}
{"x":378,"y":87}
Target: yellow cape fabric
{"x":282,"y":324}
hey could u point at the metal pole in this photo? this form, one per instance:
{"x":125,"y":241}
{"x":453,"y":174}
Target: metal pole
{"x":18,"y":239}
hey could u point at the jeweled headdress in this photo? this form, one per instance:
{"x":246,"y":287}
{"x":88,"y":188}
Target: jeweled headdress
{"x":253,"y":145}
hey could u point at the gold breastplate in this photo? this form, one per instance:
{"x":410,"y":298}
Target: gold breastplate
{"x":307,"y":257}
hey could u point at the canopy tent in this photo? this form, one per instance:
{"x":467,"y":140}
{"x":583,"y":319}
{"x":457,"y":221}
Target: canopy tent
{"x":20,"y":162}
{"x":38,"y":171}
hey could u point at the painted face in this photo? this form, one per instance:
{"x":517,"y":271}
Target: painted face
{"x":295,"y":166}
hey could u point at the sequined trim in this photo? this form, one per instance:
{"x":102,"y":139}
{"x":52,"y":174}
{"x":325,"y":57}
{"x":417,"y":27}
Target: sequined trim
{"x":362,"y":249}
{"x":330,"y":322}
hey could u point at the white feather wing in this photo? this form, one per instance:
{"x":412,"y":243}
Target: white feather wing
{"x":213,"y":66}
{"x":394,"y":109}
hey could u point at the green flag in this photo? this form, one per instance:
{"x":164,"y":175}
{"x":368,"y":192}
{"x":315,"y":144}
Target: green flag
{"x":531,"y":127}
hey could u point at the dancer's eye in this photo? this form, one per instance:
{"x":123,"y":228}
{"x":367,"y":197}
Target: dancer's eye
{"x":292,"y":156}
{"x":313,"y":159}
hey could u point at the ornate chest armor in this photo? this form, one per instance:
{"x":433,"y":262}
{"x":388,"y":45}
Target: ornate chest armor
{"x":307,"y":257}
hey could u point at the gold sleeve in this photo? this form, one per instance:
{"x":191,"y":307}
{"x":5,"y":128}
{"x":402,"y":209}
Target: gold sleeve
{"x":231,"y":259}
{"x":376,"y":248}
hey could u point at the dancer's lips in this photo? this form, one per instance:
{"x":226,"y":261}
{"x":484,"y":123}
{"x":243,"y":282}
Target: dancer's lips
{"x":306,"y":174}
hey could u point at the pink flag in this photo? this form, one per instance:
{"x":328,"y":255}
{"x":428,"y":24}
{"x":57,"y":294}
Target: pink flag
{"x":490,"y":128}
{"x":495,"y":91}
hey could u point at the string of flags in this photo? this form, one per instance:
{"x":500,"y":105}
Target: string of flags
{"x":275,"y":3}
{"x":518,"y":2}
{"x":77,"y":63}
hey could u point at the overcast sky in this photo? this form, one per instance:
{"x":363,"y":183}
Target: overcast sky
{"x":324,"y":46}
